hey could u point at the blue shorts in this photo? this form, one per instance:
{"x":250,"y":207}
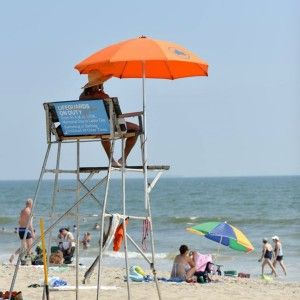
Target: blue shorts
{"x":22,"y":232}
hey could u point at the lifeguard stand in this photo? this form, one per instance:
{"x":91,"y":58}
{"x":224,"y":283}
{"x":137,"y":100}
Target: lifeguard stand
{"x":94,"y":121}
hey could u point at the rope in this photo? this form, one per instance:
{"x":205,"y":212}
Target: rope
{"x":146,"y":229}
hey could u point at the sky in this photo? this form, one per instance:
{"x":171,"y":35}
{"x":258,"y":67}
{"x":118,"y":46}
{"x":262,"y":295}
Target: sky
{"x":241,"y":120}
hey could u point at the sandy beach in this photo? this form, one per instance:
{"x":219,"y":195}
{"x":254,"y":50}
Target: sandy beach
{"x":223,"y":288}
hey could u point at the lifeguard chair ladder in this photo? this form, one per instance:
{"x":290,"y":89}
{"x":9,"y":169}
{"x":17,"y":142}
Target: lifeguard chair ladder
{"x":90,"y":121}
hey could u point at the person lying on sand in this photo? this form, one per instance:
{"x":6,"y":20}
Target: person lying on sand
{"x":183,"y":265}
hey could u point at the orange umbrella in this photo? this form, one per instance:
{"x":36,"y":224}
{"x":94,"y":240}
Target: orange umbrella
{"x":144,"y":57}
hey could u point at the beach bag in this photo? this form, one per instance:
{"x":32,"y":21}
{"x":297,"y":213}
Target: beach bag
{"x":14,"y":295}
{"x":119,"y":236}
{"x":26,"y":261}
{"x":243,"y":275}
{"x":202,"y":277}
{"x":136,"y":273}
{"x":231,"y":273}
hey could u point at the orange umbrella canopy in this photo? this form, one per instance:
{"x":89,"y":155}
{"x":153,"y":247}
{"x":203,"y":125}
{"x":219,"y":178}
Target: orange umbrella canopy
{"x":158,"y":59}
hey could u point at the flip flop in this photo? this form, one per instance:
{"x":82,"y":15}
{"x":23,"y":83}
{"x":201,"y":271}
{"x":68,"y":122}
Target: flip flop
{"x":34,"y":285}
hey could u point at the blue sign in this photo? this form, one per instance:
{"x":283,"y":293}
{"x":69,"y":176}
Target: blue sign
{"x":85,"y":117}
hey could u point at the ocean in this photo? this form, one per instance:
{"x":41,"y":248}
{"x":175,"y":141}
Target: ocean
{"x":259,"y":206}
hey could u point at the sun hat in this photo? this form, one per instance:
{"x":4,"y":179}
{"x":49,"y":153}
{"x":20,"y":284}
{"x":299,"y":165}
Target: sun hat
{"x":275,"y":238}
{"x":96,"y":78}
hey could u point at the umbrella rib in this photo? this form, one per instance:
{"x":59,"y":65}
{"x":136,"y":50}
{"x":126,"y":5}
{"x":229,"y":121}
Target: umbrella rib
{"x":171,"y":76}
{"x":200,"y":66}
{"x":166,"y":62}
{"x":123,"y":69}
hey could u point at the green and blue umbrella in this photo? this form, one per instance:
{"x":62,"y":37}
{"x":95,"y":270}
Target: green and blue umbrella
{"x":225,"y":234}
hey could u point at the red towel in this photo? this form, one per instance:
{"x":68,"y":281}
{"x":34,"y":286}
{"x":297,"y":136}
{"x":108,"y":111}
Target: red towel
{"x":119,"y":236}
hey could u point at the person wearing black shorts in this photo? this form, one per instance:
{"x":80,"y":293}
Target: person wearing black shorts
{"x":266,"y":257}
{"x":22,"y":231}
{"x":25,"y":220}
{"x":278,"y":253}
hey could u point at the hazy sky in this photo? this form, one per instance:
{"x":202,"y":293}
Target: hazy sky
{"x":244,"y":119}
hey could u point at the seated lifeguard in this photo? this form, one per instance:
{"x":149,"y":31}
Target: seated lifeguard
{"x":94,"y":90}
{"x":66,"y":244}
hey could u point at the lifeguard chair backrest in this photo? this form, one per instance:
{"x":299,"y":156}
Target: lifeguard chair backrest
{"x":82,"y":117}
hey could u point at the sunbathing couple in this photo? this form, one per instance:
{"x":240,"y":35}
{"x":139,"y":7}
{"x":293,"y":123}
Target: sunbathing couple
{"x":189,"y":263}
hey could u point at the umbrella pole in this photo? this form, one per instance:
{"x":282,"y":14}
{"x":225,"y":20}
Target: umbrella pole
{"x":124,"y":219}
{"x":144,"y":145}
{"x":146,"y":192}
{"x":219,"y":246}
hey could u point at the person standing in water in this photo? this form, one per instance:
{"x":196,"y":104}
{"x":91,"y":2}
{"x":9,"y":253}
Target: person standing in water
{"x":266,"y":257}
{"x":86,"y":240}
{"x":278,"y":253}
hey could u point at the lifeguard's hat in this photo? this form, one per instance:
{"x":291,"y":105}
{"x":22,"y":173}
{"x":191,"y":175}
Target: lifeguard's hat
{"x":275,"y":238}
{"x":96,"y":78}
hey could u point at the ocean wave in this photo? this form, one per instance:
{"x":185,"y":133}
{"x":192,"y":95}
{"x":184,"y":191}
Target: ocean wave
{"x":7,"y":220}
{"x":263,"y":221}
{"x":192,"y":220}
{"x":188,"y":219}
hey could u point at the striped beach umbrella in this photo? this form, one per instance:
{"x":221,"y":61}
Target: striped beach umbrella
{"x":225,"y":234}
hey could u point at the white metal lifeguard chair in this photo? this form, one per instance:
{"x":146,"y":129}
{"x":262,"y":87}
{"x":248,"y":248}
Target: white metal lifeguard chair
{"x":81,"y":121}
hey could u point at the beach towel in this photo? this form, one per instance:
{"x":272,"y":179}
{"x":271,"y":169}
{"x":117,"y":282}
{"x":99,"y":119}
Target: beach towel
{"x":119,"y":236}
{"x":201,"y":261}
{"x":112,"y":230}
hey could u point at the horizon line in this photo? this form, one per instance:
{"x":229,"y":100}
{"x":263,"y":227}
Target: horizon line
{"x":173,"y":177}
